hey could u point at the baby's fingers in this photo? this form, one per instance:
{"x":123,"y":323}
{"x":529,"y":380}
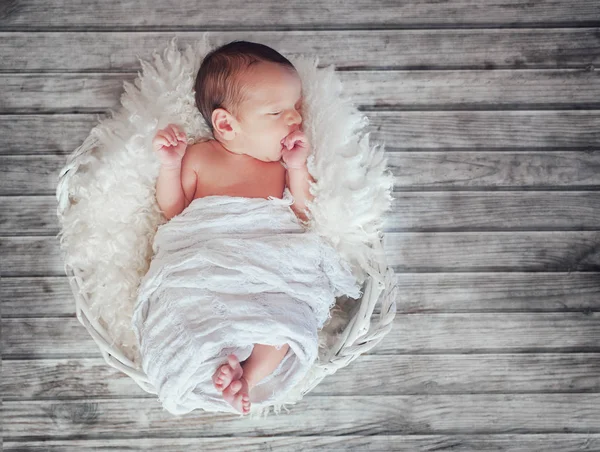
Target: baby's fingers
{"x":160,"y":141}
{"x":169,"y":136}
{"x":176,"y":132}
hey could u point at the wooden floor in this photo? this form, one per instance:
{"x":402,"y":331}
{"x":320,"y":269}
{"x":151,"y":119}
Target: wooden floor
{"x":490,"y":112}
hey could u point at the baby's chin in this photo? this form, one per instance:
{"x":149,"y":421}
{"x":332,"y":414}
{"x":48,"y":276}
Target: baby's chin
{"x":273,"y":156}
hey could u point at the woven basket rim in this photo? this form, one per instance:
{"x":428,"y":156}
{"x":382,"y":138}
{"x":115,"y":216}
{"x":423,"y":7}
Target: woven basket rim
{"x":360,"y":334}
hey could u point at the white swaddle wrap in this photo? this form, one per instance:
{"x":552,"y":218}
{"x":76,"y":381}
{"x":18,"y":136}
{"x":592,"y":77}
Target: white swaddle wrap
{"x":229,"y":272}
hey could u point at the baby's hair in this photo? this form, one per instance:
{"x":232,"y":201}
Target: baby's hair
{"x":216,"y":84}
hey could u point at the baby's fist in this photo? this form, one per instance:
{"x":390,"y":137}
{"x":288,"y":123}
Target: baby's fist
{"x":296,"y":149}
{"x":170,"y":143}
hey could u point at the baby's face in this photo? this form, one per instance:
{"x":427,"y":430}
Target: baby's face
{"x":272,"y":110}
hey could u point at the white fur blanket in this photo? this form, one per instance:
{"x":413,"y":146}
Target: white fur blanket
{"x":229,"y":272}
{"x":106,"y":192}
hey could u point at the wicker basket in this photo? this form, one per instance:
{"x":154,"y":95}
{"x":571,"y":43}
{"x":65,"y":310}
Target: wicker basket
{"x":363,"y":331}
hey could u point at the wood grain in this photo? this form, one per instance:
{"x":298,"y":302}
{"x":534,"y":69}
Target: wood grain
{"x":366,"y":415}
{"x":373,"y":375}
{"x":269,"y":14}
{"x":411,"y":212}
{"x":544,"y":130}
{"x":560,"y":251}
{"x":418,"y":293}
{"x":412,"y":171}
{"x":404,"y":90}
{"x":552,"y":442}
{"x":39,"y":338}
{"x":490,"y":116}
{"x":532,"y":48}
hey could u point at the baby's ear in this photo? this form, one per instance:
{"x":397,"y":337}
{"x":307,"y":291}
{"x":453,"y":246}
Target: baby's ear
{"x":223,"y":122}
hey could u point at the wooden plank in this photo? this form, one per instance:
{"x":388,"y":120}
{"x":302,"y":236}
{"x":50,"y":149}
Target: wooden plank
{"x":399,"y":130}
{"x":272,"y":14}
{"x":412,"y":171}
{"x":485,"y":130}
{"x":497,"y":292}
{"x":532,"y":48}
{"x":554,"y":442}
{"x":500,"y":170}
{"x":29,"y":215}
{"x":398,"y":375}
{"x":56,"y":134}
{"x":31,"y":256}
{"x":528,"y":332}
{"x":30,"y":175}
{"x":405,"y":90}
{"x":369,"y":415}
{"x":417,"y":293}
{"x":479,"y":211}
{"x":562,"y":251}
{"x":500,"y":332}
{"x":411,"y":212}
{"x":494,"y":251}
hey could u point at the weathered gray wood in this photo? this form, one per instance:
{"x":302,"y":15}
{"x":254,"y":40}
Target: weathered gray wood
{"x":27,"y":175}
{"x":399,"y":130}
{"x":464,"y":211}
{"x":38,"y":338}
{"x":405,"y":251}
{"x":485,"y":130}
{"x":418,"y":292}
{"x":526,"y":169}
{"x":480,"y":292}
{"x":554,"y":442}
{"x":119,"y":14}
{"x":29,"y":215}
{"x":56,"y":134}
{"x":369,"y":375}
{"x":428,"y":49}
{"x":458,"y":89}
{"x":411,"y":212}
{"x":494,"y":251}
{"x":369,"y":415}
{"x":414,"y":171}
{"x":473,"y":357}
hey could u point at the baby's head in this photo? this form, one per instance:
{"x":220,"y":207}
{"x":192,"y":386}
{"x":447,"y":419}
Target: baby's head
{"x":250,"y":96}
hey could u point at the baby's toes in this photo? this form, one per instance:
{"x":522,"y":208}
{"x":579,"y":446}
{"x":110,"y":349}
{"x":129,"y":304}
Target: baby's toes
{"x":222,"y":377}
{"x":245,"y":404}
{"x":242,"y":403}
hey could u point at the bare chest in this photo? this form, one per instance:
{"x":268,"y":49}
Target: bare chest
{"x":251,"y":180}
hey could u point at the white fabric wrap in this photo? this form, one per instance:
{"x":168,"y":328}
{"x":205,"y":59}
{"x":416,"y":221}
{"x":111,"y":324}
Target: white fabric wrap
{"x":229,"y":272}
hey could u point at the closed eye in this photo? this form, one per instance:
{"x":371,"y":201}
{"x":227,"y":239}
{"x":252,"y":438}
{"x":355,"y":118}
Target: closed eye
{"x":275,"y":113}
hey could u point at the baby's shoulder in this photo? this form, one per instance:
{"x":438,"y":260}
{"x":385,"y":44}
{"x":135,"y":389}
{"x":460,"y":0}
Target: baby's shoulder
{"x":198,"y":154}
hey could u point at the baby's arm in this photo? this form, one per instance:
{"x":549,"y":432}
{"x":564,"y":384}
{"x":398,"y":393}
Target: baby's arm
{"x":176,"y":182}
{"x":169,"y":192}
{"x":298,"y":181}
{"x":176,"y":187}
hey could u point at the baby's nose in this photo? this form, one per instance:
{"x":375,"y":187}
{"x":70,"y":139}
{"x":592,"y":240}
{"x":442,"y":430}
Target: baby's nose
{"x":294,"y":117}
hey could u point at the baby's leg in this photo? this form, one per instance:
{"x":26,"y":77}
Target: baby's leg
{"x":263,"y":360}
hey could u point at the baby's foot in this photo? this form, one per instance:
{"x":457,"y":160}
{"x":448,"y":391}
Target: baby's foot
{"x":237,"y":395}
{"x":227,"y":373}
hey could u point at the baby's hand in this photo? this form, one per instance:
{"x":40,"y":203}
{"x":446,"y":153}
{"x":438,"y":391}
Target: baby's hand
{"x":297,"y":149}
{"x":170,"y":143}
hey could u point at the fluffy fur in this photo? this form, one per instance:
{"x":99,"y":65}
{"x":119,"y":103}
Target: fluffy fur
{"x":106,"y":192}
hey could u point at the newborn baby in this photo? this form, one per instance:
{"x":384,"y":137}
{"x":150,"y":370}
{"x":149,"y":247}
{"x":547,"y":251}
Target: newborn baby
{"x":251,"y":97}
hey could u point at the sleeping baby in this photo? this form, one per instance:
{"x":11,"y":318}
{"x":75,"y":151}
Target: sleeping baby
{"x":248,"y":304}
{"x":250,"y":96}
